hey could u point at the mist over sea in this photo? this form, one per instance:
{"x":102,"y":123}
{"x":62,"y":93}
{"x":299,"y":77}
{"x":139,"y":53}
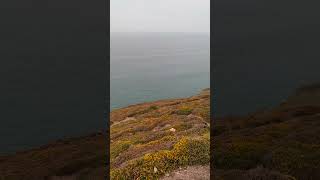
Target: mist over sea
{"x":153,"y":66}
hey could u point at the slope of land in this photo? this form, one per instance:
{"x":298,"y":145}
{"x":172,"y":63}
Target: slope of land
{"x":164,"y":138}
{"x":158,"y":134}
{"x":282,"y":143}
{"x":152,"y":139}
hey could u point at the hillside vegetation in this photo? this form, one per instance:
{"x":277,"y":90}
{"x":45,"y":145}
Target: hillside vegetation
{"x":152,"y":139}
{"x":147,"y":141}
{"x":282,"y":143}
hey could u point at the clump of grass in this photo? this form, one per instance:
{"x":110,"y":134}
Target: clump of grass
{"x":118,"y":148}
{"x":182,"y":127}
{"x":188,"y":151}
{"x":168,"y":138}
{"x":184,"y":111}
{"x":151,"y":108}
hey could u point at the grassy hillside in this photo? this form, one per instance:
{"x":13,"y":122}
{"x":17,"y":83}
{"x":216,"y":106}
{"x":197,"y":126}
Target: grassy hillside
{"x":147,"y":140}
{"x":283,"y":143}
{"x":152,"y":139}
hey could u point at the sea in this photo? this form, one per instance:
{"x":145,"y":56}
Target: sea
{"x":151,"y":66}
{"x":56,"y":91}
{"x":250,"y":71}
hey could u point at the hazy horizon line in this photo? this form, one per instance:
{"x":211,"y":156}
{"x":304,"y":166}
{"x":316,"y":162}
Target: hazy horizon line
{"x":204,"y":32}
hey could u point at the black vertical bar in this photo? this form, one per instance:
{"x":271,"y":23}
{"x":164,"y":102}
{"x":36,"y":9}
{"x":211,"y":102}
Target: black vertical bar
{"x":212,"y":92}
{"x":107,"y":86}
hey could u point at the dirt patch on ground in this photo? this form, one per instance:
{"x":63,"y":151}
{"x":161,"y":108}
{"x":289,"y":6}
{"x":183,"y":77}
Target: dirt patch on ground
{"x":190,"y":173}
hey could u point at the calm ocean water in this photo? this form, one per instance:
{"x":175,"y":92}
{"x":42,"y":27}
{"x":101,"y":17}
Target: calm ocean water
{"x":152,"y":66}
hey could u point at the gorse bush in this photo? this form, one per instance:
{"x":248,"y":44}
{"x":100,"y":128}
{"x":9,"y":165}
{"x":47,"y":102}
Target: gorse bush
{"x":184,"y":111}
{"x":151,"y":108}
{"x":118,"y":148}
{"x":188,"y":151}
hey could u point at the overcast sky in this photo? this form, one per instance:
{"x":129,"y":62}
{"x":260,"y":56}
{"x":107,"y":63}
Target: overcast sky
{"x":160,"y":15}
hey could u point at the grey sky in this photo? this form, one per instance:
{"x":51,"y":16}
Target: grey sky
{"x":160,"y":15}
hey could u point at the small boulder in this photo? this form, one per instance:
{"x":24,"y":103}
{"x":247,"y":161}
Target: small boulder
{"x":172,"y":130}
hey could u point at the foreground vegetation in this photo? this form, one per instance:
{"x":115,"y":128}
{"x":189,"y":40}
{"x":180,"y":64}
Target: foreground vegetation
{"x":152,"y":139}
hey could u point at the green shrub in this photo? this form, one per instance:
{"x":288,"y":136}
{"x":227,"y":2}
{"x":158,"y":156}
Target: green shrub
{"x":151,"y":108}
{"x":188,"y":151}
{"x":184,"y":111}
{"x":118,"y":148}
{"x":182,"y":127}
